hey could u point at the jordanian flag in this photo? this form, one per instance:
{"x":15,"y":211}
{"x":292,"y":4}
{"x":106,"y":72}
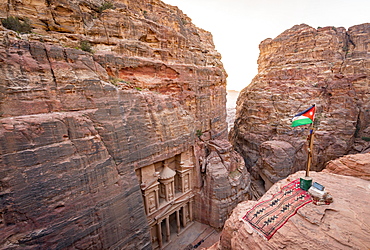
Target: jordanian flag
{"x":305,"y":117}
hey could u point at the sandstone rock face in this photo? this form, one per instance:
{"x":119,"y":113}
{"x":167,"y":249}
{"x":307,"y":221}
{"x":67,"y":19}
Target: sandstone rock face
{"x":278,"y":160}
{"x":223,"y":183}
{"x":327,"y":66}
{"x":341,"y":225}
{"x":76,"y":125}
{"x":357,"y":165}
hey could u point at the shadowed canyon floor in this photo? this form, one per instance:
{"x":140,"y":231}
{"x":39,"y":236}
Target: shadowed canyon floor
{"x":196,"y":236}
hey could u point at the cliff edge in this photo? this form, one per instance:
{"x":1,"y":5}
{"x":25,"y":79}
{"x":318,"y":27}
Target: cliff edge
{"x":328,"y":66}
{"x":344,"y":224}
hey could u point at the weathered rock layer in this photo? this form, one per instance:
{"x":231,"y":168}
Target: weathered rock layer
{"x":303,"y":65}
{"x":94,"y":94}
{"x":223,"y":183}
{"x":357,"y":165}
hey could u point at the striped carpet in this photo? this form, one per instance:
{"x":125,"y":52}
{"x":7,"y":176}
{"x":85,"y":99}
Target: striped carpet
{"x":268,"y":216}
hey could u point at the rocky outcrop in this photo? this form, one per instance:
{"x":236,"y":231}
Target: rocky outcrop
{"x":223,"y":183}
{"x":96,"y":92}
{"x":303,"y":65}
{"x":357,"y":165}
{"x":278,"y":160}
{"x":344,"y":224}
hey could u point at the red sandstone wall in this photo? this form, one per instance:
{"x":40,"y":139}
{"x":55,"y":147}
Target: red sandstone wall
{"x":75,"y":125}
{"x":303,"y":65}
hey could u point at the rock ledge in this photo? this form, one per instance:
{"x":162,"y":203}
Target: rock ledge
{"x":344,"y":224}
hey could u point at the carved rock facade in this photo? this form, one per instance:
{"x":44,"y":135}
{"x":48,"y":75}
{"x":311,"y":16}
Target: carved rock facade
{"x":167,"y":188}
{"x":99,"y":150}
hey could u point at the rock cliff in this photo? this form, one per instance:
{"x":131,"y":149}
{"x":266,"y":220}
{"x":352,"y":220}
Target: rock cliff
{"x":223,"y":183}
{"x":95,"y":93}
{"x":344,"y":224}
{"x":328,"y":66}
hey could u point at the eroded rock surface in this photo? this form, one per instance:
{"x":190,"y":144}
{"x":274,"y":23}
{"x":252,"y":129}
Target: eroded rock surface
{"x":278,"y":160}
{"x":357,"y":165}
{"x":223,"y":183}
{"x":94,"y":94}
{"x":303,"y":65}
{"x":344,"y":224}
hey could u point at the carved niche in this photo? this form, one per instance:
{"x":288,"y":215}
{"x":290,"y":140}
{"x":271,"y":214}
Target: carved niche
{"x":149,"y":187}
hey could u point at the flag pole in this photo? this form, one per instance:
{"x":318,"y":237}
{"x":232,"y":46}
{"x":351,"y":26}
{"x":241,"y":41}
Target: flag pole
{"x":310,"y":150}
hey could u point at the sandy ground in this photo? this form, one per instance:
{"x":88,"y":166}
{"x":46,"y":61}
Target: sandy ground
{"x":196,"y":236}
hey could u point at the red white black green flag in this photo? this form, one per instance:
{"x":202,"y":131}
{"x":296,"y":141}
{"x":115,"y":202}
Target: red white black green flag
{"x":304,"y":117}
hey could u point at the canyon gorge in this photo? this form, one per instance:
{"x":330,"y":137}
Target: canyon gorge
{"x":113,"y":127}
{"x":114,"y":130}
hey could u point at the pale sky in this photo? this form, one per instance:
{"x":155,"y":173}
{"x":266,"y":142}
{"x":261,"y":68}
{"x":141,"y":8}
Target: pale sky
{"x":238,"y":26}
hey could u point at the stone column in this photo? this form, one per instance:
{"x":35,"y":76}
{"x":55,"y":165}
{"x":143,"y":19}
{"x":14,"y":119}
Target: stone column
{"x":168,"y":232}
{"x":157,"y":197}
{"x":184,"y":216}
{"x":190,"y":175}
{"x":187,"y":183}
{"x":153,"y":234}
{"x":159,"y":231}
{"x":191,"y":210}
{"x":179,"y":172}
{"x":178,"y":221}
{"x":173,"y":189}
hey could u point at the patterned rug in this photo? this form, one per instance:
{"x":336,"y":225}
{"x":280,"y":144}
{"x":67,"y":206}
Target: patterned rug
{"x":270,"y":215}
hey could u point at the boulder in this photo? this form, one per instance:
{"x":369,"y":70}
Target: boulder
{"x":357,"y":165}
{"x":277,"y":161}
